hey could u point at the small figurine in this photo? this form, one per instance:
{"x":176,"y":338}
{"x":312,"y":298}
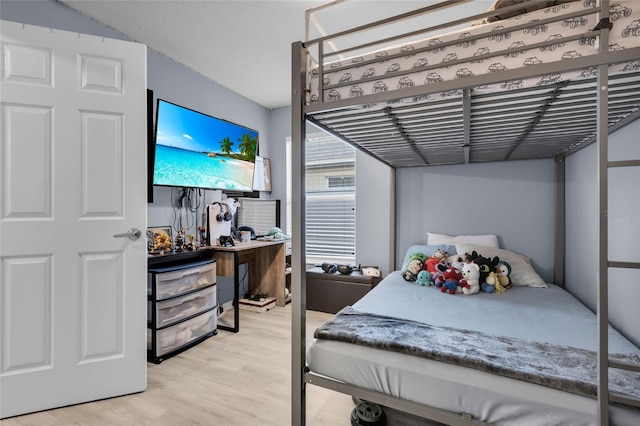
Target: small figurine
{"x":150,"y":242}
{"x":179,"y":242}
{"x":191,"y":245}
{"x":203,"y":235}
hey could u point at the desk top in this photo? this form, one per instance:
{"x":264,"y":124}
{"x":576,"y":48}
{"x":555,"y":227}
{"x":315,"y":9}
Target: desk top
{"x":250,"y":245}
{"x":177,"y":257}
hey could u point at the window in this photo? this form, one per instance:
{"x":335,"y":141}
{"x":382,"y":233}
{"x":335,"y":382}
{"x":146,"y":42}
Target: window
{"x":331,"y":199}
{"x":260,"y":215}
{"x":341,"y":181}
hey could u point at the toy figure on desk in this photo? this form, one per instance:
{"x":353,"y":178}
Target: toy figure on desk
{"x":179,"y":243}
{"x":191,"y":245}
{"x":150,"y":242}
{"x":203,"y":235}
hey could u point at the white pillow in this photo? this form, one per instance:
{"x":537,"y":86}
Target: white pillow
{"x":522,"y":273}
{"x":488,"y":240}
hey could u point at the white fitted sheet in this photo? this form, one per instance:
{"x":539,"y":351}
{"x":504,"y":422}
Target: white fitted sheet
{"x":542,"y":314}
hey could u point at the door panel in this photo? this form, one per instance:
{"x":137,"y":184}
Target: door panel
{"x":73,"y":174}
{"x":27,"y":141}
{"x":102,"y":305}
{"x":102,"y":164}
{"x":27,"y":307}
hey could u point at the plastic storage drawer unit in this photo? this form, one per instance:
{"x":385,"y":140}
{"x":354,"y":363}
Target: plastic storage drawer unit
{"x":182,"y":307}
{"x":174,"y":281}
{"x":172,"y":338}
{"x":176,"y":309}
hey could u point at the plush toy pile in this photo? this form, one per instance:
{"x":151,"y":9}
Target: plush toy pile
{"x":467,"y":274}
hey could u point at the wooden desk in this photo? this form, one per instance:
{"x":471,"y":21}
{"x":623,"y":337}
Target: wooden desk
{"x":266,"y":263}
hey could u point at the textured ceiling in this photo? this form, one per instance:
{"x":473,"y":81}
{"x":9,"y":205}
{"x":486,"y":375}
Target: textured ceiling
{"x":243,"y":45}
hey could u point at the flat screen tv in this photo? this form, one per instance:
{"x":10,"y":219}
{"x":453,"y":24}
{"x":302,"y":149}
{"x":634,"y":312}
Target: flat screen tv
{"x":196,"y":150}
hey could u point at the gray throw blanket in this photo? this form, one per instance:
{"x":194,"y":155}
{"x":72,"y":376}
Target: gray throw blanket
{"x":560,"y":367}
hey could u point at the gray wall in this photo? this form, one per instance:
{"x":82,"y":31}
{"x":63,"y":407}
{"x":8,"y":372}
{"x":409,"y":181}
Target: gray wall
{"x":624,"y":229}
{"x":279,"y":131}
{"x":514,"y":200}
{"x":373,"y":212}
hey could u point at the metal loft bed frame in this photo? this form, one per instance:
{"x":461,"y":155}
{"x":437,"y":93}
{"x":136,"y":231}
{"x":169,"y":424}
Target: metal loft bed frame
{"x":599,"y":105}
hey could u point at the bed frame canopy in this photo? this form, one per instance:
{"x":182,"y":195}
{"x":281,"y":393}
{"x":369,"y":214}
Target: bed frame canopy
{"x":483,"y":117}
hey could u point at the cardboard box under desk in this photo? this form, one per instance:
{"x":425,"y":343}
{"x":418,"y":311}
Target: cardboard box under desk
{"x":332,"y":292}
{"x":261,"y":305}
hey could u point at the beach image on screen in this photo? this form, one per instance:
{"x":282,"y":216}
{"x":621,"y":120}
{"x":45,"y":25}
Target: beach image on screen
{"x":200,"y":151}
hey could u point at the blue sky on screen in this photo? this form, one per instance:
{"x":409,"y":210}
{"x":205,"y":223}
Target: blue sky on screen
{"x":187,"y":129}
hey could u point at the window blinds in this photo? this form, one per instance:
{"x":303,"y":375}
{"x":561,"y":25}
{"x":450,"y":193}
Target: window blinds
{"x":261,"y":215}
{"x":331,"y":194}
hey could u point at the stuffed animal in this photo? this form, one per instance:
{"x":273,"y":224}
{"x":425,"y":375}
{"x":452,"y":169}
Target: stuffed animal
{"x":450,"y":286}
{"x":503,"y":270}
{"x":438,"y":276}
{"x":452,"y":276}
{"x":438,"y":279}
{"x":467,"y":258}
{"x":470,"y":281}
{"x":439,"y":256}
{"x":489,"y":286}
{"x":432,"y":264}
{"x":277,"y":234}
{"x":424,"y":278}
{"x":486,"y":265}
{"x":415,"y":265}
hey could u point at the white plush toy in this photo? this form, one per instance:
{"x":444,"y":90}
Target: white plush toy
{"x":470,"y":282}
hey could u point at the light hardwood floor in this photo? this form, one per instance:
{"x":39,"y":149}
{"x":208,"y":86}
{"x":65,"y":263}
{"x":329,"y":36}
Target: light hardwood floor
{"x":229,"y":379}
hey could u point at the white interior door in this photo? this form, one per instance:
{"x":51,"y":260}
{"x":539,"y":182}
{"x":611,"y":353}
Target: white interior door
{"x":72,"y":174}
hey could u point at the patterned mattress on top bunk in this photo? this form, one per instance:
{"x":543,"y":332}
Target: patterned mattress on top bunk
{"x":485,"y":49}
{"x":526,"y":356}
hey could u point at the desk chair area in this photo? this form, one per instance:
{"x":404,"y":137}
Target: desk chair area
{"x":266,"y":271}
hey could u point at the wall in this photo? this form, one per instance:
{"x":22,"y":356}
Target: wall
{"x":624,"y":229}
{"x":514,"y":200}
{"x":373,"y":212}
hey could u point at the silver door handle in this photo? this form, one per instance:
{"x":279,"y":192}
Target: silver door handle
{"x":132,"y":234}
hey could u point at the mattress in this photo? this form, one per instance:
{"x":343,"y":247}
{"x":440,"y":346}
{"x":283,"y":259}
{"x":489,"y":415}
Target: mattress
{"x":541,"y":314}
{"x":427,"y":61}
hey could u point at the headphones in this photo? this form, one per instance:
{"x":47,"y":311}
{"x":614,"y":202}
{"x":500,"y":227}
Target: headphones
{"x":224,"y":215}
{"x":331,"y":268}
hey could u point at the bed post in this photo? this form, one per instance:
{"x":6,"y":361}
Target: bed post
{"x":603,"y":254}
{"x":393,"y":226}
{"x":560,"y":224}
{"x":298,"y":259}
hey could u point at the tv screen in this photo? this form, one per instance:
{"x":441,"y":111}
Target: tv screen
{"x":196,"y":150}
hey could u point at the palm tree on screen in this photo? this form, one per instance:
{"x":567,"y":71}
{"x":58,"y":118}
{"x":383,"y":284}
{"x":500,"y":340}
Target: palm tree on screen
{"x":225,"y":145}
{"x":248,"y":146}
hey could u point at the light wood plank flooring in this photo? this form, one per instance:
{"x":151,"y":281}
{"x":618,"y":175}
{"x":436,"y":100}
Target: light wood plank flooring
{"x":229,"y":379}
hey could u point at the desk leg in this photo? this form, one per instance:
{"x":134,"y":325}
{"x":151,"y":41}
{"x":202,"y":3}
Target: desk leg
{"x":236,"y":296}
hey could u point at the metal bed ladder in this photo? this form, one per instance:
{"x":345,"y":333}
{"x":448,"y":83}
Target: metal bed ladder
{"x":604,"y":363}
